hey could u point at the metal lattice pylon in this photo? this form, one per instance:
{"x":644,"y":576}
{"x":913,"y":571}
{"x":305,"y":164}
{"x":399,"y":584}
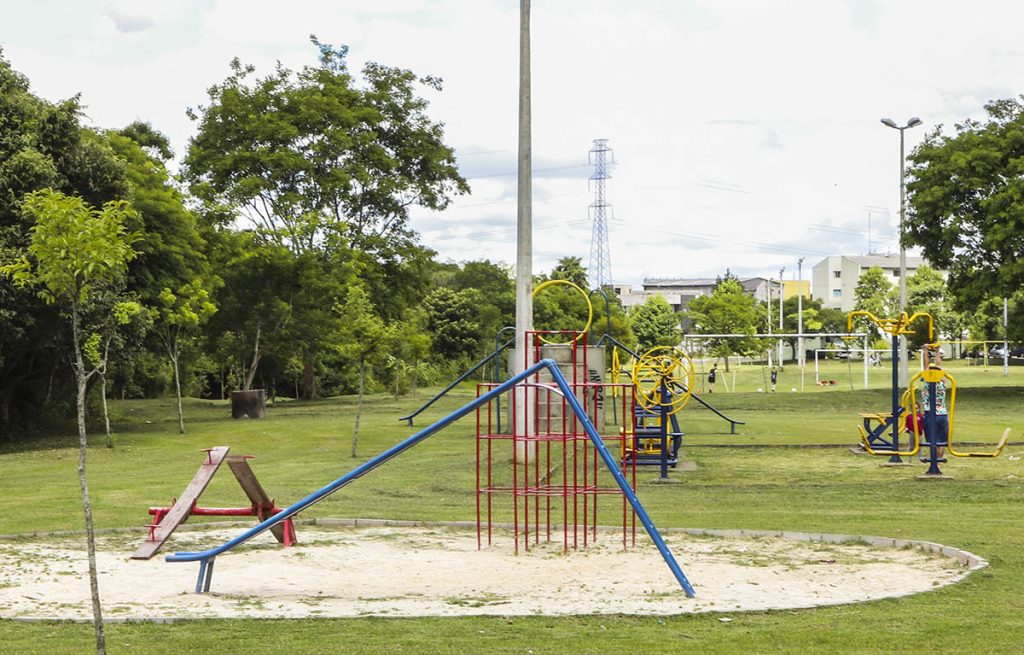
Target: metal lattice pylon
{"x":600,"y":271}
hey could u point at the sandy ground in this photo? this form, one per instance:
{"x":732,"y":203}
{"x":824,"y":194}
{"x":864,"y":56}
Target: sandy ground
{"x":438,"y":571}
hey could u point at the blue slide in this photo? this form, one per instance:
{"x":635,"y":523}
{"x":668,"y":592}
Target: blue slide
{"x":206,"y":557}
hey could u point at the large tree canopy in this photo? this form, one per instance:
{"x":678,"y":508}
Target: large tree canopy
{"x":311,"y":157}
{"x":42,"y":145}
{"x":728,"y":310}
{"x":966,"y":196}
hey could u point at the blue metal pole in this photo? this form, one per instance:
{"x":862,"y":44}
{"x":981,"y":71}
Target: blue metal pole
{"x":930,"y":422}
{"x":895,"y":398}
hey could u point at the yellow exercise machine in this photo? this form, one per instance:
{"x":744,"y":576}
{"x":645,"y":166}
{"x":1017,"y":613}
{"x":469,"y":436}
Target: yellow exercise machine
{"x":663,"y":378}
{"x":878,"y":444}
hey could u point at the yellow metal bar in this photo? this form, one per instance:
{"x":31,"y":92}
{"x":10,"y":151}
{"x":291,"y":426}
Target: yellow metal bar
{"x":882,"y":452}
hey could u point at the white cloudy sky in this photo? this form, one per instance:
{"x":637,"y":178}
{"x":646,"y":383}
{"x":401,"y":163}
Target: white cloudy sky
{"x":746,"y":133}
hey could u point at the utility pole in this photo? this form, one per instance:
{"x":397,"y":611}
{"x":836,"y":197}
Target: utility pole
{"x":524,"y":218}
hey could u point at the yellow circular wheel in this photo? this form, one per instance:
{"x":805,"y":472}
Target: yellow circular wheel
{"x":666,"y":364}
{"x":590,"y":309}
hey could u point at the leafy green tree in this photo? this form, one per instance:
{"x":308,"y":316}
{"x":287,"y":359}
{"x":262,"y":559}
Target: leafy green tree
{"x":451,"y":318}
{"x":366,"y":335}
{"x":728,"y":310}
{"x":572,"y":270}
{"x":496,"y":299}
{"x":311,"y":156}
{"x":966,"y":199}
{"x":926,"y":292}
{"x":559,"y":307}
{"x":171,"y":250}
{"x":177,"y":317}
{"x":876,"y":294}
{"x":655,"y":324}
{"x":77,"y":252}
{"x":42,"y":145}
{"x":255,"y":304}
{"x":330,"y":169}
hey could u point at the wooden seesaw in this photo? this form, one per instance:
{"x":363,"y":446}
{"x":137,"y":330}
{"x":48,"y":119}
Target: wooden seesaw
{"x":167,"y":519}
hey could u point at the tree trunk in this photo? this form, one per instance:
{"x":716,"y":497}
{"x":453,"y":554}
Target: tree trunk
{"x":308,"y":380}
{"x":247,"y":384}
{"x":359,"y":407}
{"x":106,"y":411}
{"x":90,"y":537}
{"x":177,"y":393}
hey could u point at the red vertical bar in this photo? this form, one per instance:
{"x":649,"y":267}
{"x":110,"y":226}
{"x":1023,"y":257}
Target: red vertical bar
{"x":515,"y":471}
{"x":547,"y":484}
{"x":479,"y":542}
{"x":490,"y":475}
{"x":565,"y":478}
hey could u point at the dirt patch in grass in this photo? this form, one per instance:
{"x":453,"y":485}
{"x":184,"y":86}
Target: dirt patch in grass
{"x":432,"y":571}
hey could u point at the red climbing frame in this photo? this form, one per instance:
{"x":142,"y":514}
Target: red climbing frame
{"x":556,"y":478}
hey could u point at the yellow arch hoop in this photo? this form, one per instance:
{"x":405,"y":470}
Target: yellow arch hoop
{"x":590,"y":309}
{"x":668,"y":362}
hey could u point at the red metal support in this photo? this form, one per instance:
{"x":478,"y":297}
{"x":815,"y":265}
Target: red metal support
{"x":554,"y":462}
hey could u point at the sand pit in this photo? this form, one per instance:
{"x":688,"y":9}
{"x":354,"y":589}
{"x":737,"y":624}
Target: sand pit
{"x":384,"y":570}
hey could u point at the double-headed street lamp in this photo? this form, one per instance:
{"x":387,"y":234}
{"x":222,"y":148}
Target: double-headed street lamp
{"x":903,"y":251}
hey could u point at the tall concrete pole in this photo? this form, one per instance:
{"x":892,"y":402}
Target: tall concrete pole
{"x":524,"y":214}
{"x":524,"y":224}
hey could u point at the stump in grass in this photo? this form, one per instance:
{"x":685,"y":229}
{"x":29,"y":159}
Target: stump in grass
{"x":248,"y":404}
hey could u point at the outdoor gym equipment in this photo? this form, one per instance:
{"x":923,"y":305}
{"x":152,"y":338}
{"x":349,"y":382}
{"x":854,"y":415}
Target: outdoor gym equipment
{"x":207,"y":557}
{"x":167,"y":519}
{"x":891,"y":421}
{"x":662,"y":379}
{"x":932,"y":378}
{"x":682,"y":388}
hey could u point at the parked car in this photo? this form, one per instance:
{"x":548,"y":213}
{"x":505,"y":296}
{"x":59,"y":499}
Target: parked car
{"x":974,"y":353}
{"x":1017,"y":353}
{"x":997,"y":352}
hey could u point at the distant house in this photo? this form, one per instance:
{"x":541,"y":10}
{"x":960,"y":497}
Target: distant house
{"x":834,"y":279}
{"x":680,"y":292}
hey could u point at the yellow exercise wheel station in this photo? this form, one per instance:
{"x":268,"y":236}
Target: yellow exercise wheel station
{"x":663,"y":379}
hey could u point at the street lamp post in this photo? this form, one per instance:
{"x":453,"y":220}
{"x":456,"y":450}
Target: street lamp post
{"x":888,"y":122}
{"x":800,"y":311}
{"x":782,"y":289}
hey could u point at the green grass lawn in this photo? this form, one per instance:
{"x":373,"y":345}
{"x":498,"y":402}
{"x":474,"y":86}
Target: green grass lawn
{"x":788,"y":468}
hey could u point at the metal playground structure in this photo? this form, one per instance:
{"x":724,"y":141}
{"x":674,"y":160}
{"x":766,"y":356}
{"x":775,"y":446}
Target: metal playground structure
{"x":543,"y":381}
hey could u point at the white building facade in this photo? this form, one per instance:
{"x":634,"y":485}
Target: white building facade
{"x":834,"y":279}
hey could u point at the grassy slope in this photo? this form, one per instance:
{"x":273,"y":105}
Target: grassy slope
{"x":301,"y":446}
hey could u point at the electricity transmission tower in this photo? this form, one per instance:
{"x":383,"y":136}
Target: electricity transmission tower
{"x":600,"y":270}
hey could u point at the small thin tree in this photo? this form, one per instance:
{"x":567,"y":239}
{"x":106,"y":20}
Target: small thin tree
{"x":365,"y":335}
{"x":77,"y":251}
{"x":180,"y":313}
